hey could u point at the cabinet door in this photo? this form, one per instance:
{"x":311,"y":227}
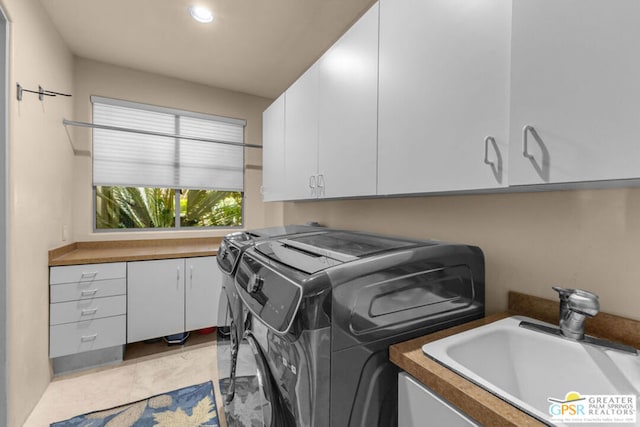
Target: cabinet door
{"x":155,"y":299}
{"x":202,"y":292}
{"x":419,"y":406}
{"x":348,"y":117}
{"x":273,"y":167}
{"x":301,"y":136}
{"x":444,"y":81}
{"x":576,"y":80}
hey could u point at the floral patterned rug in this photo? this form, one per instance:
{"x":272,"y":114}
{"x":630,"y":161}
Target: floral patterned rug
{"x":192,"y":406}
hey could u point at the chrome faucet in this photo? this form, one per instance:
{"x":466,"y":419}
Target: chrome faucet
{"x":575,"y":306}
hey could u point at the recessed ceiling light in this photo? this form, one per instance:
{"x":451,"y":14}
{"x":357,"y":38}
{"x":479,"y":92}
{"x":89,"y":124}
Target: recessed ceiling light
{"x":201,"y":14}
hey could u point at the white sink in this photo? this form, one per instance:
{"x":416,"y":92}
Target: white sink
{"x":528,"y":368}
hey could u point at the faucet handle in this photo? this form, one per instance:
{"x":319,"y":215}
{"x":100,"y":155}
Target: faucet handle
{"x":584,"y":302}
{"x":563,"y":293}
{"x":578,"y":301}
{"x":575,"y":306}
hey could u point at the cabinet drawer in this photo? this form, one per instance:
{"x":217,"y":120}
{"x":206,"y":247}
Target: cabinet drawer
{"x":87,"y":273}
{"x":72,"y":338}
{"x":88,"y":290}
{"x":87,"y":309}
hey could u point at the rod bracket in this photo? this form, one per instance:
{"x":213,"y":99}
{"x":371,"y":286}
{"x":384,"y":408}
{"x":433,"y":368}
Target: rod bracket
{"x":42,"y":92}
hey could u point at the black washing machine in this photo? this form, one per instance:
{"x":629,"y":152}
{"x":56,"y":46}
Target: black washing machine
{"x":324,"y":309}
{"x":229,"y":253}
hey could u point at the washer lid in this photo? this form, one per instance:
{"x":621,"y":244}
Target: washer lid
{"x":233,"y":244}
{"x":311,"y":253}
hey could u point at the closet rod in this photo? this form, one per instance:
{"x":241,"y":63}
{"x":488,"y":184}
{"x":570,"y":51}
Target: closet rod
{"x":148,"y":132}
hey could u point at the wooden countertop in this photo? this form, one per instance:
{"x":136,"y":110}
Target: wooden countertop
{"x":475,"y":401}
{"x":133,"y":250}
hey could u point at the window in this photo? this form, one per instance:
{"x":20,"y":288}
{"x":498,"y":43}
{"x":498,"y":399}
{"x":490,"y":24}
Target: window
{"x":172,"y":169}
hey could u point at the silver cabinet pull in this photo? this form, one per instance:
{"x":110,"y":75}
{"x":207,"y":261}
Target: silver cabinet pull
{"x":312,"y":185}
{"x":321,"y":187}
{"x":525,"y":140}
{"x":88,"y":274}
{"x":88,"y":292}
{"x":178,"y":277}
{"x":86,"y":338}
{"x":88,"y":311}
{"x":488,"y":140}
{"x":191,"y":276}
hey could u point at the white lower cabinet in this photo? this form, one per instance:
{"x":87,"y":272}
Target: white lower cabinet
{"x":166,"y":297}
{"x":88,"y":308}
{"x":202,"y":292}
{"x":419,"y":406}
{"x":99,"y":306}
{"x":155,"y":298}
{"x":78,"y":337}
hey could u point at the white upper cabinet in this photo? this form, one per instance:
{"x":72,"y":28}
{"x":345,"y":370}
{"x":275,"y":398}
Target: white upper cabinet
{"x":320,"y":137}
{"x":443,"y":95}
{"x":301,"y":137}
{"x":576,"y":82}
{"x":273,"y":168}
{"x":347,"y":114}
{"x":455,"y":96}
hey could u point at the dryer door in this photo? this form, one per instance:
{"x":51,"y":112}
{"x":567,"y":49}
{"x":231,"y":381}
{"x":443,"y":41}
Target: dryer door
{"x":255,"y":402}
{"x":227,"y":353}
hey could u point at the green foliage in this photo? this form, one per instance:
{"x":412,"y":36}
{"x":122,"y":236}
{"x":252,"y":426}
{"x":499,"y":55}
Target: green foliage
{"x":131,"y":207}
{"x":228,"y":211}
{"x":209,"y":208}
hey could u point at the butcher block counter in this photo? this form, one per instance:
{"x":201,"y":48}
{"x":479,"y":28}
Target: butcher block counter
{"x":133,"y":250}
{"x":476,"y":402}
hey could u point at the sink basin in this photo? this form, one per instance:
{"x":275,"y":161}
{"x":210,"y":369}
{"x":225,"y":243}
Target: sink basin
{"x":534,"y":371}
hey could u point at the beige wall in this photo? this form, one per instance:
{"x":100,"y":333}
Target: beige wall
{"x":96,"y":78}
{"x":40,"y":188}
{"x":584,"y":239}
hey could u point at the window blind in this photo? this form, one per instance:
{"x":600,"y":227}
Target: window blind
{"x":137,"y":160}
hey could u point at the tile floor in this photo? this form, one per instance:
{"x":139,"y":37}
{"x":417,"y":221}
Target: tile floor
{"x":134,"y":379}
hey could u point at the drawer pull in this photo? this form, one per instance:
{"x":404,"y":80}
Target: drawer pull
{"x":89,"y":274}
{"x":88,"y":292}
{"x":88,"y":311}
{"x":86,"y":338}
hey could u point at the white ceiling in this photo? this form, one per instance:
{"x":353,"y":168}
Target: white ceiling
{"x":254,"y":46}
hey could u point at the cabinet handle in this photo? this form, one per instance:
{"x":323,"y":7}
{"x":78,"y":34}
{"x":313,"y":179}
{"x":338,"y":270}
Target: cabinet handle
{"x":312,"y":185}
{"x":320,"y":185}
{"x":525,"y":140}
{"x":178,"y":277}
{"x":88,"y":311}
{"x":87,"y":274}
{"x":488,"y":140}
{"x":191,"y":276}
{"x":88,"y":292}
{"x":86,"y":338}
